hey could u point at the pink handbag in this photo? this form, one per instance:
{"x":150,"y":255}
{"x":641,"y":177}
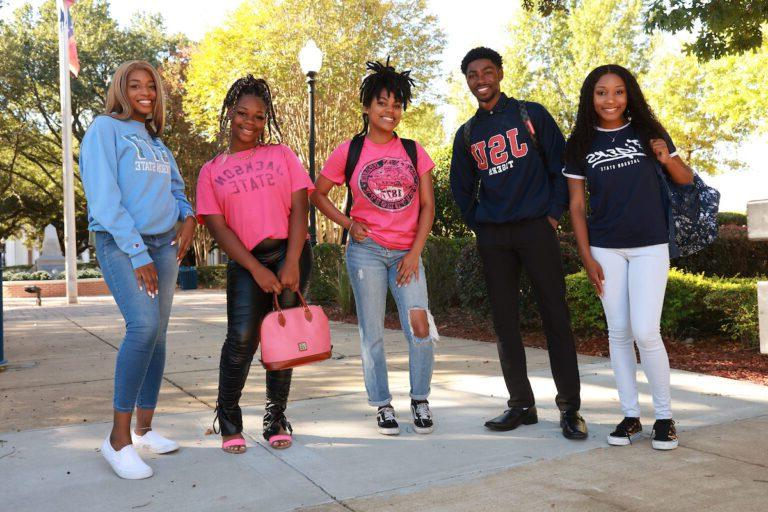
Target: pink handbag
{"x":294,"y":336}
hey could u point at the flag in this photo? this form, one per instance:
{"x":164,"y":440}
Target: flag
{"x":74,"y":62}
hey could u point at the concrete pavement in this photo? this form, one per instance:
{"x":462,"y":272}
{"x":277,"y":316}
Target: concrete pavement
{"x":56,"y":398}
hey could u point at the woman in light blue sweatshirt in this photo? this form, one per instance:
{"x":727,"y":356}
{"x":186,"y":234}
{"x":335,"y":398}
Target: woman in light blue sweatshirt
{"x":135,"y":201}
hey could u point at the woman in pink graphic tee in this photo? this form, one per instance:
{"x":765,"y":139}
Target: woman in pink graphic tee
{"x":253,"y":200}
{"x":392,"y":212}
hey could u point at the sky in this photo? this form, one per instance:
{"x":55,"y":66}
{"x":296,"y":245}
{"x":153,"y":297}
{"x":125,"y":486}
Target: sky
{"x":464,"y":28}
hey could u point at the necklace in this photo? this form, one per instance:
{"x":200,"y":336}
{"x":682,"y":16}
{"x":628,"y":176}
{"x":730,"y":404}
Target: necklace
{"x":246,"y":156}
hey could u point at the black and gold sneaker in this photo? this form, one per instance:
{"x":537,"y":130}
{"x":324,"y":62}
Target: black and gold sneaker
{"x":626,"y":432}
{"x":664,"y":435}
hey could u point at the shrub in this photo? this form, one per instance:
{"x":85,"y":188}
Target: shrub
{"x":441,"y":257}
{"x":693,"y":305}
{"x":586,"y":309}
{"x":731,"y":218}
{"x":345,"y":298}
{"x":89,"y":273}
{"x":40,"y":275}
{"x":323,"y":283}
{"x":448,"y":220}
{"x":212,"y":276}
{"x":732,"y":254}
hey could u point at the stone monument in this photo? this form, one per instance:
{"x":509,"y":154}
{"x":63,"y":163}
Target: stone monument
{"x":51,"y":259}
{"x":757,"y":228}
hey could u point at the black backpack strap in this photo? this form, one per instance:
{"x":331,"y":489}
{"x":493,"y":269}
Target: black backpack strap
{"x":410,"y":149}
{"x":466,"y":132}
{"x":353,"y":156}
{"x":532,"y":131}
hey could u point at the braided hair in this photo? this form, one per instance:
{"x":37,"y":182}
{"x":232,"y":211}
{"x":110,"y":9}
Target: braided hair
{"x":637,"y":111}
{"x":245,"y":86}
{"x":384,"y":78}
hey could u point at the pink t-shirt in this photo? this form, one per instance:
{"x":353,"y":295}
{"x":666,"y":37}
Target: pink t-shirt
{"x":385,"y":189}
{"x":252,"y":189}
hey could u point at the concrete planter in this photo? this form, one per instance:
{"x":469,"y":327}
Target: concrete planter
{"x":54,"y":288}
{"x":757,"y":219}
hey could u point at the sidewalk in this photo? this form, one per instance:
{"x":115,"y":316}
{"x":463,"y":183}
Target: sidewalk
{"x":56,"y":408}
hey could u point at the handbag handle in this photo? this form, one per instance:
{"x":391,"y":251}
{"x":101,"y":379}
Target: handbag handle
{"x":281,"y":317}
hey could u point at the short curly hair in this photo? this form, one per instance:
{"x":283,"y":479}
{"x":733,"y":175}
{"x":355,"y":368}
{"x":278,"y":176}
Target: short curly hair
{"x":481,"y":52}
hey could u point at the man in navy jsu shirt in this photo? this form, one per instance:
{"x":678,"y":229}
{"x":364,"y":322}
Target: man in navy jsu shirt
{"x":522,"y":194}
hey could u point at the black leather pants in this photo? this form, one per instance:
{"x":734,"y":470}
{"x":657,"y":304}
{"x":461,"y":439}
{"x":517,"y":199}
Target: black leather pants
{"x":247,"y":305}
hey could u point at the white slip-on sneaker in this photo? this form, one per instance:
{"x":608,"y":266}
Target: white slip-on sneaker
{"x":154,"y":442}
{"x":125,"y":462}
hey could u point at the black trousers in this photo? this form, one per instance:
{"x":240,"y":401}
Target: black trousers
{"x":505,"y":249}
{"x":247,"y":305}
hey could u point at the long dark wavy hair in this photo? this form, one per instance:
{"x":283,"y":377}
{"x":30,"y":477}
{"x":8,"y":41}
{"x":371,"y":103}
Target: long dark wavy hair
{"x":245,"y":86}
{"x":384,"y":78}
{"x":637,"y":111}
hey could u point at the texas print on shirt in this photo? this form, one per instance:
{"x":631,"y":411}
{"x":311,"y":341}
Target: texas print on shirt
{"x":389,"y":183}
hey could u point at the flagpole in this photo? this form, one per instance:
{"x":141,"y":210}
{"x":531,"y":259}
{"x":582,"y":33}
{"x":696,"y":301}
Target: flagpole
{"x":70,"y":250}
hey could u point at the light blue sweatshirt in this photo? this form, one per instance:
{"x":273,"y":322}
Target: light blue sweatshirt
{"x":132,"y":185}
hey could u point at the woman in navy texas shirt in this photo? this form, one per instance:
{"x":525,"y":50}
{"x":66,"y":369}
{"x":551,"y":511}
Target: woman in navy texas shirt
{"x":615,"y":147}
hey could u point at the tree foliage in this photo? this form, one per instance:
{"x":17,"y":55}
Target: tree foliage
{"x":720,"y":28}
{"x":190,"y":148}
{"x":30,"y":117}
{"x":264,"y":38}
{"x":708,"y":108}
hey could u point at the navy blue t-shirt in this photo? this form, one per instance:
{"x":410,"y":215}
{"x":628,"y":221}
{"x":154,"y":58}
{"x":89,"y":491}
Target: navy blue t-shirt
{"x":626,"y":208}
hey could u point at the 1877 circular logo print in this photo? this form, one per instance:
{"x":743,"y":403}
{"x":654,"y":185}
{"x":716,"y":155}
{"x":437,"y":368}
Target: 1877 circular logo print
{"x":389,"y":183}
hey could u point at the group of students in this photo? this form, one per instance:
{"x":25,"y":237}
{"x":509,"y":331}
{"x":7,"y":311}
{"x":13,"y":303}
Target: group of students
{"x":512,"y":174}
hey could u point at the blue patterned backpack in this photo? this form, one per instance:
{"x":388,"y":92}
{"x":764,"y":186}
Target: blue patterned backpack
{"x":691,"y":214}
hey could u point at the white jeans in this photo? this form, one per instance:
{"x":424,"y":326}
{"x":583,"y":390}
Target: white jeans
{"x":633,"y":297}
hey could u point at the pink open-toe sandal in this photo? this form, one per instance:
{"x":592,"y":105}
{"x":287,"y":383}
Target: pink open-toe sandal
{"x":273,"y":440}
{"x":237,"y":441}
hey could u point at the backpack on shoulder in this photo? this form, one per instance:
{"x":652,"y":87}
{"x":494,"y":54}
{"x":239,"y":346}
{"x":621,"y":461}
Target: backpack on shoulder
{"x":353,"y":156}
{"x":691,"y":214}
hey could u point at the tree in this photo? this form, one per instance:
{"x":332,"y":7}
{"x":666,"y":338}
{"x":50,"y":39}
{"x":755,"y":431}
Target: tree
{"x":189,"y":147}
{"x":549,"y":57}
{"x":30,"y":120}
{"x":349,"y":33}
{"x":720,"y":28}
{"x":707,"y":108}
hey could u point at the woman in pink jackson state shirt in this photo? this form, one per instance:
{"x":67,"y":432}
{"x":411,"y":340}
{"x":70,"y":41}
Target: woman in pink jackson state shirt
{"x":392,"y":214}
{"x":253,"y":199}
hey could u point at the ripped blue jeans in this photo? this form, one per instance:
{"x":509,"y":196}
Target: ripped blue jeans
{"x":372,"y":268}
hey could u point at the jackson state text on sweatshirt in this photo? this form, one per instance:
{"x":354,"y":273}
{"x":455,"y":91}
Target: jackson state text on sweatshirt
{"x":132,"y":184}
{"x":514,"y":183}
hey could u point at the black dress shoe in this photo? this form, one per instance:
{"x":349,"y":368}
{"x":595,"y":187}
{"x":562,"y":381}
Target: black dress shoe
{"x":513,"y":418}
{"x":574,"y":426}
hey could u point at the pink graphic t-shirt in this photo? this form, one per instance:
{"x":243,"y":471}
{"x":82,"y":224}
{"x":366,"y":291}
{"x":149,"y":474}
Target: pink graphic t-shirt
{"x":252,"y":189}
{"x":385,"y":189}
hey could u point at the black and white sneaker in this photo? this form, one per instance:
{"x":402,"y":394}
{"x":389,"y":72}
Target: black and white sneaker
{"x":387,"y":424}
{"x":422,"y":417}
{"x":626,"y":432}
{"x":664,"y":435}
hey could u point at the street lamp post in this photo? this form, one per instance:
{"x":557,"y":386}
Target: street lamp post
{"x":310,"y":59}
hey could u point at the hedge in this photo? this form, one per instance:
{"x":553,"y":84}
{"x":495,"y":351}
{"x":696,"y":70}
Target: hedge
{"x":43,"y":275}
{"x":731,"y":255}
{"x":693,"y":305}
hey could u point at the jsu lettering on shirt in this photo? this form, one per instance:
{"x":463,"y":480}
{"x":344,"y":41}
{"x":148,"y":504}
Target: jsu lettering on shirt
{"x":515,"y":183}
